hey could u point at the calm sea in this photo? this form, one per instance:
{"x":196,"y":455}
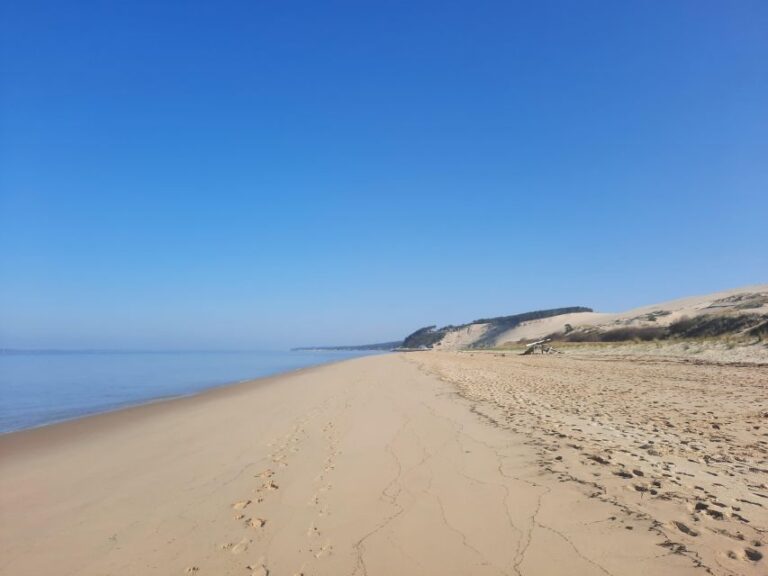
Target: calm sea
{"x":38,"y":388}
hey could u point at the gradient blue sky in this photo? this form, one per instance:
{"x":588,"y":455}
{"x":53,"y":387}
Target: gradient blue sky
{"x":260,"y":174}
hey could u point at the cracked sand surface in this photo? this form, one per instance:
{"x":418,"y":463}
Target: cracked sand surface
{"x":683,"y":446}
{"x":368,"y":467}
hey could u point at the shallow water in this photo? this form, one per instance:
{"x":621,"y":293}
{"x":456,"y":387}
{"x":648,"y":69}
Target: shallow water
{"x":38,"y":388}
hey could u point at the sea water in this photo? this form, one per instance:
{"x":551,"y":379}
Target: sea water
{"x":38,"y":388}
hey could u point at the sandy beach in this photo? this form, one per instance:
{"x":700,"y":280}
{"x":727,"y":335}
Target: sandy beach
{"x":424,"y":463}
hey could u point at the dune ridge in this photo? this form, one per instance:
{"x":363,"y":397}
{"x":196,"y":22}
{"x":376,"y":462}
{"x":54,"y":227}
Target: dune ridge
{"x":739,"y":302}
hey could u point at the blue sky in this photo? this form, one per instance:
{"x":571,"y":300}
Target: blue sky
{"x":262,"y":174}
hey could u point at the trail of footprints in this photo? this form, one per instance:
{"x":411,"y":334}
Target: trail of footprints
{"x":246,"y":512}
{"x":319,"y":546}
{"x":646,"y":456}
{"x":256,"y":525}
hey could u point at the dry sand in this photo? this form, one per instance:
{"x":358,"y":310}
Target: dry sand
{"x":431,"y":463}
{"x":680,"y":446}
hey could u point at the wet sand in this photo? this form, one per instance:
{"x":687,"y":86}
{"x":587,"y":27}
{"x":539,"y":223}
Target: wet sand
{"x":430,"y":463}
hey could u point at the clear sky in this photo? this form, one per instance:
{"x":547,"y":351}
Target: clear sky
{"x":274,"y":173}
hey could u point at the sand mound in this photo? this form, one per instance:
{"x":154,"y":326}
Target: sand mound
{"x":749,"y":300}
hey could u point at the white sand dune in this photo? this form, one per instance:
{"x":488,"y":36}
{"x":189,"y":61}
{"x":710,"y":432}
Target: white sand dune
{"x":536,"y":329}
{"x":719,"y":302}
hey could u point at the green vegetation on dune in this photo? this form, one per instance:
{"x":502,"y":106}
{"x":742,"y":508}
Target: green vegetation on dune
{"x":738,"y":316}
{"x":428,"y":336}
{"x":704,"y":326}
{"x":501,"y":324}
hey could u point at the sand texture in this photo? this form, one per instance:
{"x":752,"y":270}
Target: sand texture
{"x":431,"y":463}
{"x":681,"y":445}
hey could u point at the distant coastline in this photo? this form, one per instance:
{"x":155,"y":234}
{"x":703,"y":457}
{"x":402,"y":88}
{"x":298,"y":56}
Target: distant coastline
{"x":382,"y":346}
{"x":40,"y":388}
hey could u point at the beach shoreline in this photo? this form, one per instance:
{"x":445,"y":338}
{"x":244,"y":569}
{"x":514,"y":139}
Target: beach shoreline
{"x":127,"y":404}
{"x":154,"y":407}
{"x":385,"y":464}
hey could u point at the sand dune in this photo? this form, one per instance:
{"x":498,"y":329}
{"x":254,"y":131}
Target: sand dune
{"x":537,"y":329}
{"x":429,"y":464}
{"x":749,"y":299}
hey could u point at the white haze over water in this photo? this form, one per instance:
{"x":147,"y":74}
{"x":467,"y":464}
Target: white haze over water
{"x":38,"y":388}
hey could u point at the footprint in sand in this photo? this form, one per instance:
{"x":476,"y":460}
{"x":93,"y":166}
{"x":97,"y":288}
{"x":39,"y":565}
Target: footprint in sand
{"x":255,"y":522}
{"x":241,"y":504}
{"x":238,"y":548}
{"x":685,"y":529}
{"x":258,"y":570}
{"x":324,"y":550}
{"x":270,"y":486}
{"x":241,"y":546}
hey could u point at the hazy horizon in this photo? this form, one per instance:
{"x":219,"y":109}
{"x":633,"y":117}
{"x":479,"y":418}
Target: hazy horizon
{"x":250,"y":176}
{"x":268,"y":347}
